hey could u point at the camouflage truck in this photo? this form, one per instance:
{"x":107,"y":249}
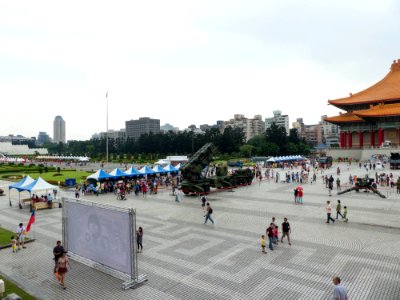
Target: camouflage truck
{"x":198,"y":178}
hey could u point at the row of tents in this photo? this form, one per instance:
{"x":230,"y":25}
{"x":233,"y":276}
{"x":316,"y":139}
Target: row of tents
{"x":131,"y":172}
{"x":286,"y":158}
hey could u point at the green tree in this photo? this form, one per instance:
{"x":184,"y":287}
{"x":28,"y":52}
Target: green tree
{"x":246,"y":150}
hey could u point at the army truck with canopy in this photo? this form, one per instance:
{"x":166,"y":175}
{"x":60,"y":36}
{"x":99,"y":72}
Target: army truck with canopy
{"x":199,"y":175}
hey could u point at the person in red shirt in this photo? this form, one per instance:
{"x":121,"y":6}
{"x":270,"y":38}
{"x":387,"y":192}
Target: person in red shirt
{"x":270,"y":234}
{"x":300,"y":196}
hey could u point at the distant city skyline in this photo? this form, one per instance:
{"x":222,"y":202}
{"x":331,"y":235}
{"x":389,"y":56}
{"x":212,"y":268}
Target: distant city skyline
{"x":187,"y":62}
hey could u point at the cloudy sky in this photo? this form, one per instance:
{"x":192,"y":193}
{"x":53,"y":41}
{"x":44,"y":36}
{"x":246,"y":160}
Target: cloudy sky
{"x":186,"y":62}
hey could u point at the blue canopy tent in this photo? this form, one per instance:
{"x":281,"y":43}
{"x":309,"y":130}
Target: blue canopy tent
{"x":146,"y":171}
{"x":158,"y":169}
{"x":23,"y":182}
{"x":38,"y":185}
{"x":100,"y":175}
{"x":170,"y":168}
{"x":132,"y":172}
{"x":117,"y":173}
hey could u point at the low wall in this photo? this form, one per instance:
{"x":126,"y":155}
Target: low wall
{"x":359,"y":154}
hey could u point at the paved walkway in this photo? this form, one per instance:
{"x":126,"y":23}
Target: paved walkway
{"x":185,"y":259}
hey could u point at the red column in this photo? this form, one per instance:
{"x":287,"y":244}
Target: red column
{"x":344,"y":139}
{"x":398,"y":136}
{"x":361,"y":138}
{"x":372,"y":138}
{"x":350,"y":138}
{"x":341,"y":139}
{"x":380,"y":137}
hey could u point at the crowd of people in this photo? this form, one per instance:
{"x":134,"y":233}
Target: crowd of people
{"x":124,"y":186}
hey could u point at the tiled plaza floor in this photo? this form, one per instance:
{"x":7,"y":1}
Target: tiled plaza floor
{"x":185,"y":259}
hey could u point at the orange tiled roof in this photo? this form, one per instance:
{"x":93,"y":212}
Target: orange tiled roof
{"x":344,"y":118}
{"x":386,"y":90}
{"x":380,"y":110}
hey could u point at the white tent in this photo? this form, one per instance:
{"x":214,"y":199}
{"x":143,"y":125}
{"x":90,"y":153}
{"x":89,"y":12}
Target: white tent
{"x":271,"y":159}
{"x":18,"y":185}
{"x":38,"y":185}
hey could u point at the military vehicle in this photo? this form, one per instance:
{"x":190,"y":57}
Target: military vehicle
{"x":394,"y":160}
{"x":198,"y":175}
{"x":366,"y":184}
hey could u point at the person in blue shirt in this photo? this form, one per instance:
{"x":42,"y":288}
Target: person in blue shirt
{"x":339,"y":292}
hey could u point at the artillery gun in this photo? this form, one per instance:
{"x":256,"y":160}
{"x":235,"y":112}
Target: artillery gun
{"x":196,"y":178}
{"x":366,"y":184}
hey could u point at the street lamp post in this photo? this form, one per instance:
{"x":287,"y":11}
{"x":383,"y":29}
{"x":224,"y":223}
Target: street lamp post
{"x":107,"y":128}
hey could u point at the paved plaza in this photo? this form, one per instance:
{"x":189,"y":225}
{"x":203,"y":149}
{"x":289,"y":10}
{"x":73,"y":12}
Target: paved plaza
{"x":184,"y":259}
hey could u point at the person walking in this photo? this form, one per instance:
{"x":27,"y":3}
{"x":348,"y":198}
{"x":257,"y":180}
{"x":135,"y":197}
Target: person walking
{"x":270,"y":234}
{"x":330,"y":185}
{"x":329,"y":212}
{"x":286,"y":230}
{"x":345,"y":211}
{"x":338,"y":187}
{"x":296,"y":194}
{"x":62,"y":269}
{"x":77,"y":192}
{"x":263,"y":244}
{"x":203,"y":202}
{"x":300,"y":196}
{"x":339,"y":210}
{"x":14,"y":244}
{"x":21,"y":236}
{"x":339,"y":292}
{"x":139,"y":239}
{"x":58,"y":251}
{"x":209,"y":211}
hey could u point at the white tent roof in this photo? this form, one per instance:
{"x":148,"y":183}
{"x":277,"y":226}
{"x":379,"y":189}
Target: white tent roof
{"x":39,"y":185}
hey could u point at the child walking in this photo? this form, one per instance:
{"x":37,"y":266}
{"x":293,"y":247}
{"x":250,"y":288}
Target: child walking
{"x":13,"y":244}
{"x":263,"y":244}
{"x":345,"y":213}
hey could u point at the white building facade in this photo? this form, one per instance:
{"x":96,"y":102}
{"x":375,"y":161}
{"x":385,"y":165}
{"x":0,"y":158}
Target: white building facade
{"x":251,"y":127}
{"x":59,"y":130}
{"x":279,"y":120}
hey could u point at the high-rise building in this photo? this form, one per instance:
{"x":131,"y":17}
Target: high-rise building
{"x":135,"y":128}
{"x":251,"y":127}
{"x":299,"y":125}
{"x":114,"y":134}
{"x":168,"y":127}
{"x":59,"y":130}
{"x":312,"y":134}
{"x":43,"y":138}
{"x":279,"y":120}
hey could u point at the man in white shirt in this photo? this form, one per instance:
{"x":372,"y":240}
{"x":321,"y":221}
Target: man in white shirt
{"x":328,"y":209}
{"x":20,"y":236}
{"x":339,"y":292}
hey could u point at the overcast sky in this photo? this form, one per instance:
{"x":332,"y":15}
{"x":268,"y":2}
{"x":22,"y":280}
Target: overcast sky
{"x":186,"y":62}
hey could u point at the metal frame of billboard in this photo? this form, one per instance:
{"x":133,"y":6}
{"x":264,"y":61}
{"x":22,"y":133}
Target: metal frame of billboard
{"x":131,"y":280}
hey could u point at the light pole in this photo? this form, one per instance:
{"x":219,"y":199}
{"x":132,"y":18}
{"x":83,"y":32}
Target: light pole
{"x":107,"y":128}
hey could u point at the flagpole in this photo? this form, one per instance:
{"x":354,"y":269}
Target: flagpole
{"x":107,"y":128}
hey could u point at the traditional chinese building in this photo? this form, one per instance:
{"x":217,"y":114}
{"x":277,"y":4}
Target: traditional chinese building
{"x":373,"y":115}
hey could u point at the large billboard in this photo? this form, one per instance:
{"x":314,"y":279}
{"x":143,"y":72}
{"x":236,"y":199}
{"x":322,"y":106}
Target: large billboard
{"x":99,"y":234}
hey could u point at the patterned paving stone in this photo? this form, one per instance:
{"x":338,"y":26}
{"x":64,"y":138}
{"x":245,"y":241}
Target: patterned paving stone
{"x":185,"y":259}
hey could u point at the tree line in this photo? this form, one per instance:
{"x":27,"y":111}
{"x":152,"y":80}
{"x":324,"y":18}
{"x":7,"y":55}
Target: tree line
{"x":230,"y":143}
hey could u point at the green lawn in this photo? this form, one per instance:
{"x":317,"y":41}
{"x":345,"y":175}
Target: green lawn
{"x":49,"y":176}
{"x":5,"y":236}
{"x":12,"y":288}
